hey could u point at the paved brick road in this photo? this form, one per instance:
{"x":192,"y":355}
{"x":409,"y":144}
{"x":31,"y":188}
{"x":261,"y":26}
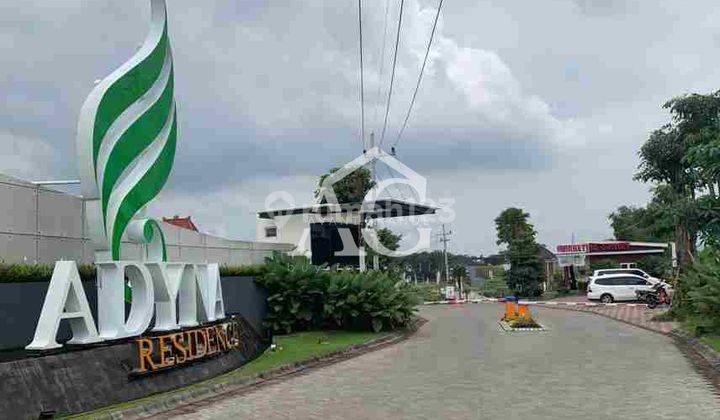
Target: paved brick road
{"x":460,"y":366}
{"x":634,"y":313}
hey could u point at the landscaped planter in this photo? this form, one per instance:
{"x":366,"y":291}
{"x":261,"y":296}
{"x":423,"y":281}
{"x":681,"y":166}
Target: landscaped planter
{"x":506,"y":327}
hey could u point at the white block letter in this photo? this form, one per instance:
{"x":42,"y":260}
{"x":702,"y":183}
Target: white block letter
{"x":210,"y":296}
{"x":167,"y":280}
{"x":111,"y":299}
{"x":65,"y":299}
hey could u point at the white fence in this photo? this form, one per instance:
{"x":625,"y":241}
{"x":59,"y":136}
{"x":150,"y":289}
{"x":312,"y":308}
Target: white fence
{"x":41,"y":225}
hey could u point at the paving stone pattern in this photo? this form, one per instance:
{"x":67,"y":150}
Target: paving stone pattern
{"x":636,"y":314}
{"x":461,"y":366}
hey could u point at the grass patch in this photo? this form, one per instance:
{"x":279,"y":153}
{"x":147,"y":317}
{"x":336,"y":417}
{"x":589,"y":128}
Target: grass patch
{"x":299,"y":347}
{"x":712,"y":340}
{"x":290,"y":349}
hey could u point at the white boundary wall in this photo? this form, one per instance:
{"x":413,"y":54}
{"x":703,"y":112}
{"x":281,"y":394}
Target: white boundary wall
{"x":41,"y":225}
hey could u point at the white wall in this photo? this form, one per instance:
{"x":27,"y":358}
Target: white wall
{"x":41,"y":225}
{"x":295,"y":229}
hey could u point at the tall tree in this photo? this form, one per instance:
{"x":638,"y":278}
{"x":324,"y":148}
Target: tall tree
{"x":514,"y":231}
{"x":510,"y":223}
{"x":652,"y":223}
{"x":681,"y":158}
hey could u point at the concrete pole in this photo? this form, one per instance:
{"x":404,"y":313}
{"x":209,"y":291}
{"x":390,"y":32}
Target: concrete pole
{"x":445,"y":241}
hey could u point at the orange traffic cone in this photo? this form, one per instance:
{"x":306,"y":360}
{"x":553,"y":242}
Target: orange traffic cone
{"x":523,"y":311}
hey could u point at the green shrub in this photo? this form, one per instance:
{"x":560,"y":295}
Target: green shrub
{"x":656,"y":265}
{"x":698,"y":300}
{"x":242,"y":270}
{"x":494,"y":287}
{"x":26,"y":273}
{"x":428,"y":292}
{"x":603,"y":263}
{"x":582,"y":285}
{"x":306,"y":297}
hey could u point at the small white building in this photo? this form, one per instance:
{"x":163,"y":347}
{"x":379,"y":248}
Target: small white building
{"x":295,"y":225}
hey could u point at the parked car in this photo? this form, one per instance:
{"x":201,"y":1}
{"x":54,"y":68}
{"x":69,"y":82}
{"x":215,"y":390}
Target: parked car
{"x":633,"y":271}
{"x":617,"y":287}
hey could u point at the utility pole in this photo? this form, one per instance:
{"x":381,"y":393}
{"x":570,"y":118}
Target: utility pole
{"x":363,"y":222}
{"x":445,"y":238}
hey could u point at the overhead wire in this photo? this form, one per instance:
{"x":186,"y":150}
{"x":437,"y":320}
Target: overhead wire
{"x":422,"y":69}
{"x":382,"y":65}
{"x":392,"y":74}
{"x":362,"y":81}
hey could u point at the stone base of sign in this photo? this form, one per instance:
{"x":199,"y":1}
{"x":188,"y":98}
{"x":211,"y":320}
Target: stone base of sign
{"x":177,"y":402}
{"x":92,"y":377}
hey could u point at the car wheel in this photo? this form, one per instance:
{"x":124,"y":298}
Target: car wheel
{"x":606,"y":298}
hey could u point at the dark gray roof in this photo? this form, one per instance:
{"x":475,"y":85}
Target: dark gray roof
{"x":383,"y":208}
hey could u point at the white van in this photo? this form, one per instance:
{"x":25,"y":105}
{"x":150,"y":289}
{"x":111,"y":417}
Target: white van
{"x":616,"y":287}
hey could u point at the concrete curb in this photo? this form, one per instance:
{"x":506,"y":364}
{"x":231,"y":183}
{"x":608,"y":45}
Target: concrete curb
{"x":704,"y":350}
{"x":197,"y":394}
{"x":529,"y":302}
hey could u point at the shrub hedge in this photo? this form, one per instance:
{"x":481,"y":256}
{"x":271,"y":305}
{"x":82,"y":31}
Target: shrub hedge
{"x":305,"y":297}
{"x":24,"y":273}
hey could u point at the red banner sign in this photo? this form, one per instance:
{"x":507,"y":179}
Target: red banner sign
{"x":593,"y":247}
{"x":609,"y":247}
{"x":575,"y":248}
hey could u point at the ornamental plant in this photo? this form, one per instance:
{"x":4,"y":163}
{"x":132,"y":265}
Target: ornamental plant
{"x":523,"y":321}
{"x":305,"y":297}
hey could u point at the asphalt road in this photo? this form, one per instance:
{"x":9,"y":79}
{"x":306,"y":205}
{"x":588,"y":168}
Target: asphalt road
{"x":460,"y":366}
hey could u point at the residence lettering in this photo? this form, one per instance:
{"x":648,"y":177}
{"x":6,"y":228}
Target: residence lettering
{"x":178,"y":348}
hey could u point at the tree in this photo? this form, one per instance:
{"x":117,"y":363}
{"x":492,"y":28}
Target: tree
{"x":425,"y":265}
{"x":652,"y":223}
{"x":352,"y":188}
{"x":682,"y":160}
{"x":683,"y":157}
{"x":510,"y":223}
{"x":514,"y":231}
{"x":389,"y":240}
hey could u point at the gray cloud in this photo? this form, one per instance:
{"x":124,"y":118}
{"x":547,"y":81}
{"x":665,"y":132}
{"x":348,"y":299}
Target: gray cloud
{"x":539,"y":104}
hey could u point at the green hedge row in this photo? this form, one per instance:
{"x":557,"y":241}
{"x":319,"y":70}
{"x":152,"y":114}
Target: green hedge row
{"x":24,"y":273}
{"x":305,"y":297}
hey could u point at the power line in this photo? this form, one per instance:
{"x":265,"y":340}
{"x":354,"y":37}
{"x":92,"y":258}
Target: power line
{"x":392,"y":75}
{"x":362,"y":81}
{"x":422,"y":69}
{"x":382,"y":63}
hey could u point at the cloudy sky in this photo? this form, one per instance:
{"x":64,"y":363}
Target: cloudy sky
{"x":536,"y":104}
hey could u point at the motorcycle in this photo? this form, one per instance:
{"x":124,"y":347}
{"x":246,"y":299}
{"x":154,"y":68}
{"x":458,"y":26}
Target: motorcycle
{"x":653,"y":297}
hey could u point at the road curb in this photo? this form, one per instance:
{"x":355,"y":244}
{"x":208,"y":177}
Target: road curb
{"x":186,"y":400}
